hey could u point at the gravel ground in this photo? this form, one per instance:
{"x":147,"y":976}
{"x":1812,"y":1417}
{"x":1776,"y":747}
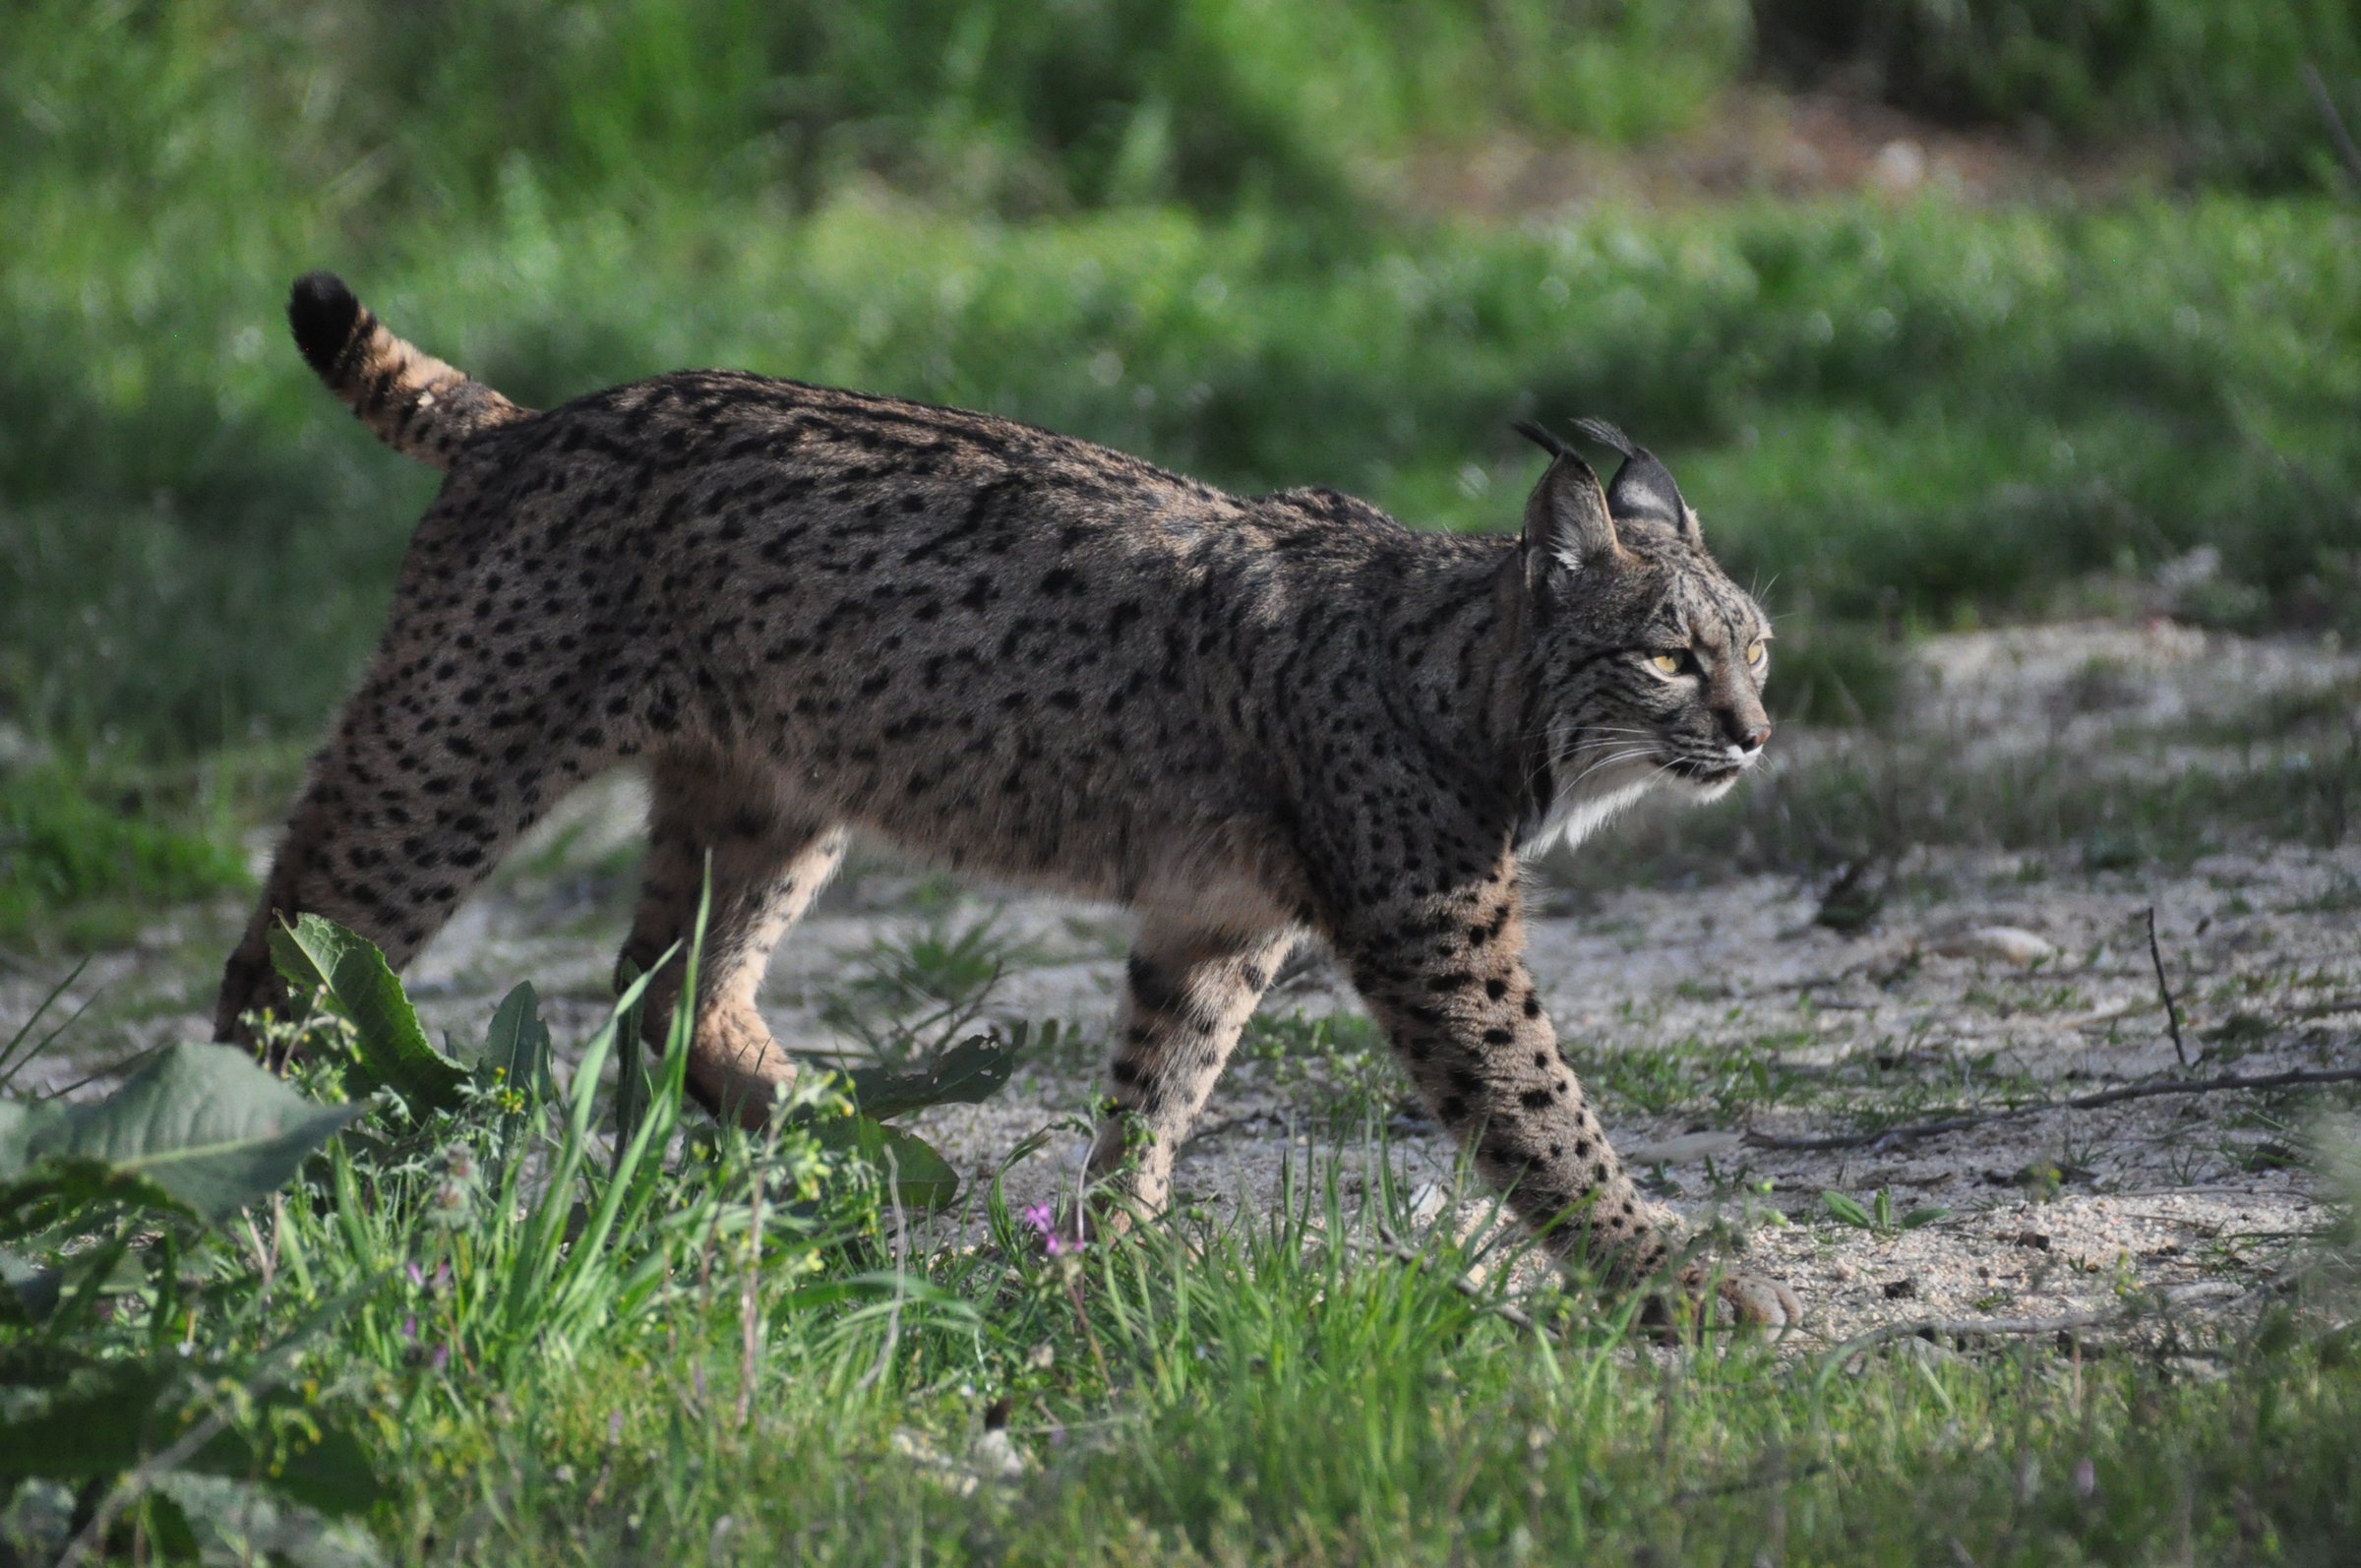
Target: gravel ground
{"x":1997,"y":979}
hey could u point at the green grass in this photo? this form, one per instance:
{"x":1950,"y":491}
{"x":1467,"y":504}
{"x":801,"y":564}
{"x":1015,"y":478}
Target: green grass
{"x":1265,"y":1390}
{"x":86,"y":855}
{"x":1908,"y":413}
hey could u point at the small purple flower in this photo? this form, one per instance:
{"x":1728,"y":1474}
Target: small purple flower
{"x":441,"y":1273}
{"x":441,"y":1356}
{"x":615,"y":1426}
{"x":417,"y":1275}
{"x":2085,"y":1480}
{"x":410,"y":1329}
{"x":1043,"y":1218}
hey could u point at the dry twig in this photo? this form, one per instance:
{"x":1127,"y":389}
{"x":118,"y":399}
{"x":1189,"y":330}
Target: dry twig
{"x":1913,"y":1131}
{"x":2172,"y":1008}
{"x":2178,"y":1295}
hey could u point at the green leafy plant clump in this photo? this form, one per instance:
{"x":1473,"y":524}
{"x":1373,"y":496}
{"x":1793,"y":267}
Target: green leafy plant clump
{"x":508,"y":1317}
{"x":139,"y":1347}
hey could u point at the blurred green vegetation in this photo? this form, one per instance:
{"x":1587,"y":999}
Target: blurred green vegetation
{"x":1172,"y":226}
{"x":2214,"y":84}
{"x":88,"y":858}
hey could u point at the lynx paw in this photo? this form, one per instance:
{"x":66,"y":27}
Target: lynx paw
{"x":1738,"y":1300}
{"x":736,"y":1069}
{"x":1751,"y":1301}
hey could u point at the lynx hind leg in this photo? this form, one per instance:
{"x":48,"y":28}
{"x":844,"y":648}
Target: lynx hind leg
{"x":395,"y":829}
{"x":1189,"y":991}
{"x":1445,"y":976}
{"x":767,"y":861}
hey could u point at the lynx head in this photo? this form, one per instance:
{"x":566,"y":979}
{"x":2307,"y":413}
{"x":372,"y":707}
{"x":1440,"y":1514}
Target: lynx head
{"x":1648,"y":660}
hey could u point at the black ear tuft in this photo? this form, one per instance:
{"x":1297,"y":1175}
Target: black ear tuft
{"x":1540,"y":438}
{"x":1606,"y":435}
{"x":322,"y":310}
{"x":1643,"y":488}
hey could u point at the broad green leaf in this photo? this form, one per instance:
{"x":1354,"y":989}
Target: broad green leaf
{"x":202,"y":1123}
{"x":167,"y":1523}
{"x":316,"y":955}
{"x":229,"y":1521}
{"x":1918,"y":1217}
{"x":74,"y":1194}
{"x":97,"y":1420}
{"x":969,"y":1074}
{"x":921,"y":1178}
{"x":103,"y":1416}
{"x":325,"y":1468}
{"x":1847,"y":1209}
{"x":517,"y":1046}
{"x":41,"y":1363}
{"x":34,"y":1290}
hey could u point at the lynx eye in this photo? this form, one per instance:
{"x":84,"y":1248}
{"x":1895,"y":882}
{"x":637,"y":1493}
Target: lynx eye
{"x":1668,"y":663}
{"x":1755,"y":651}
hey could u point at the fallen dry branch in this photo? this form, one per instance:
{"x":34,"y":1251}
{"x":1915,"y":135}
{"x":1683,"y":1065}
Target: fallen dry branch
{"x":2065,"y":1323}
{"x":1913,"y":1131}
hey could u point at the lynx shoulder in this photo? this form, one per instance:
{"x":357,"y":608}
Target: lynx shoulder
{"x":1252,"y":719}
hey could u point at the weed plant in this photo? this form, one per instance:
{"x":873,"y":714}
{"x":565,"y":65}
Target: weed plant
{"x":1339,"y":1061}
{"x":911,"y":993}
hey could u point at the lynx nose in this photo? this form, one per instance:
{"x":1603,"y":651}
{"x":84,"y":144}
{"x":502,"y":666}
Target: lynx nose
{"x":1746,"y":734}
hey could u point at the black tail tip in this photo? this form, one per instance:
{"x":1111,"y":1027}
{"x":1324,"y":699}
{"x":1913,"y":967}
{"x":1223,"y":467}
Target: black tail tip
{"x":322,"y":310}
{"x":1541,"y":438}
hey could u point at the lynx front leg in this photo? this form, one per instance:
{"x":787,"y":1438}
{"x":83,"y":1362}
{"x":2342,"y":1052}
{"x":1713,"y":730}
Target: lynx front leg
{"x":767,"y":862}
{"x":1445,"y":975}
{"x":1189,"y":991}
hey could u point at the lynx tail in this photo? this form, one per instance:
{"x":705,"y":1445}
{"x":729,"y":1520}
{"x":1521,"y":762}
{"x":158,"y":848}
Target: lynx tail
{"x":417,"y":404}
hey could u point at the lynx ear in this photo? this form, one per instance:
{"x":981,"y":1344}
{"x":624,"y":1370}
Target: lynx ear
{"x":1566,"y":521}
{"x":1643,"y":488}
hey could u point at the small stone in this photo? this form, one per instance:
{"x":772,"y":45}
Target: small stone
{"x":996,"y":1457}
{"x":1687,"y":1149}
{"x":2010,"y":944}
